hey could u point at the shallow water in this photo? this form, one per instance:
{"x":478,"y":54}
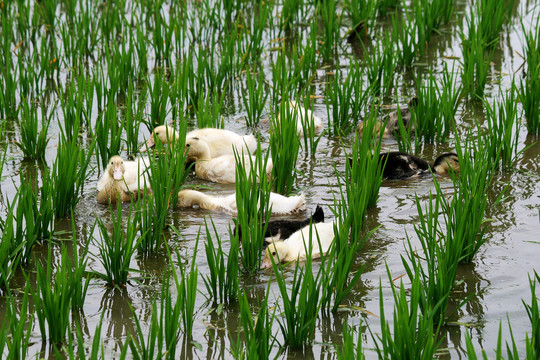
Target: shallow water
{"x":497,"y":280}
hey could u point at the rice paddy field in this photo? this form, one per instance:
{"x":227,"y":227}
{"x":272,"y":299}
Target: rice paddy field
{"x":433,"y":266}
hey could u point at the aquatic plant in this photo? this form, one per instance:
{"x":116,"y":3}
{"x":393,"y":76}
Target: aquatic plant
{"x":54,"y":295}
{"x":16,"y":329}
{"x":222,"y":282}
{"x":255,"y":99}
{"x":108,"y":133}
{"x":33,"y":142}
{"x":529,"y":86}
{"x":187,"y":292}
{"x":327,"y":10}
{"x":284,"y":147}
{"x":69,"y":175}
{"x":350,"y":349}
{"x":10,"y":250}
{"x":259,"y":339}
{"x":117,"y":248}
{"x":301,"y":304}
{"x":380,"y":67}
{"x":252,"y":200}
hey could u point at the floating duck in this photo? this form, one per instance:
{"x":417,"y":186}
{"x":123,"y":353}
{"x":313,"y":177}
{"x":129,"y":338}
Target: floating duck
{"x":220,"y":142}
{"x":123,"y":180}
{"x":221,"y":169}
{"x":392,"y":120}
{"x":281,"y":205}
{"x":294,"y":248}
{"x":303,"y":117}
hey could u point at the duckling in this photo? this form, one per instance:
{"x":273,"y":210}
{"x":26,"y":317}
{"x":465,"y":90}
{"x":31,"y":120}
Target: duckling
{"x":304,"y":116}
{"x":319,"y":236}
{"x":279,"y":230}
{"x":398,"y":165}
{"x":392,"y":120}
{"x":221,"y":169}
{"x":123,"y":180}
{"x":281,"y":205}
{"x":221,"y":142}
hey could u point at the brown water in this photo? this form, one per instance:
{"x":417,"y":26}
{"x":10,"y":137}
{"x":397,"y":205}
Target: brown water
{"x":497,"y":279}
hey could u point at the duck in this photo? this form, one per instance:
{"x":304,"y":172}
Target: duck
{"x":123,"y":180}
{"x":221,"y":169}
{"x":220,"y":141}
{"x":294,"y":248}
{"x":279,"y":230}
{"x":392,"y":120}
{"x":399,"y":165}
{"x":281,"y":205}
{"x":304,"y":116}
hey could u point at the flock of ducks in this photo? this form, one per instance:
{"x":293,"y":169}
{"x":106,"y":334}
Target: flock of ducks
{"x":213,"y":152}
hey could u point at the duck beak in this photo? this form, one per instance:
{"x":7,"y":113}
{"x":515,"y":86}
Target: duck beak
{"x":117,"y":174}
{"x":267,"y":263}
{"x":148,"y":145}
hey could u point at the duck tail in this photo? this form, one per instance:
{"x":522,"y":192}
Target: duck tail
{"x":318,"y":215}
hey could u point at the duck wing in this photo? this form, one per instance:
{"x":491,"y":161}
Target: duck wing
{"x":398,"y":165}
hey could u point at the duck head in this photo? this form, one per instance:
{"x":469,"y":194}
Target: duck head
{"x":445,"y":162}
{"x":277,"y":251}
{"x":197,"y":149}
{"x":165,"y":133}
{"x":116,"y":168}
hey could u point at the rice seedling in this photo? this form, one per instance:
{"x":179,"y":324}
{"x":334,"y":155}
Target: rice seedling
{"x":80,"y":348}
{"x":380,"y":67}
{"x":16,"y":330}
{"x":476,"y":59}
{"x":33,"y":142}
{"x":284,"y":146}
{"x":492,"y":17}
{"x":133,"y":118}
{"x":69,"y":174}
{"x":222,"y":282}
{"x":404,"y":35}
{"x":152,"y":346}
{"x":327,"y":10}
{"x":108,"y":133}
{"x":439,"y":273}
{"x":116,"y":249}
{"x":384,"y":6}
{"x":350,"y":350}
{"x":33,"y":222}
{"x":54,"y":294}
{"x":80,"y":280}
{"x":360,"y":13}
{"x":302,"y":304}
{"x":533,"y":342}
{"x":169,"y":317}
{"x":430,"y":123}
{"x":502,"y":136}
{"x":159,"y":100}
{"x":289,"y":13}
{"x":258,"y":332}
{"x":187,"y":292}
{"x":73,"y":110}
{"x":529,"y":86}
{"x":252,"y":200}
{"x":414,"y":335}
{"x":255,"y":99}
{"x":208,"y":111}
{"x":168,"y":173}
{"x":258,"y":23}
{"x":10,"y":250}
{"x":345,"y":100}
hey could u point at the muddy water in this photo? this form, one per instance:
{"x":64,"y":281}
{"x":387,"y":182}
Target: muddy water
{"x":497,"y":280}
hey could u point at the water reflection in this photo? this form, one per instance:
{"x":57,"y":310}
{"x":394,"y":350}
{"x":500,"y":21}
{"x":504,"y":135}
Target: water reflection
{"x":116,"y":306}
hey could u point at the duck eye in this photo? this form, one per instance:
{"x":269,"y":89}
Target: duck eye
{"x":274,"y":253}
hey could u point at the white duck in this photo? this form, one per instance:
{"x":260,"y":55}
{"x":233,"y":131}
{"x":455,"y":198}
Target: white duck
{"x":281,"y":205}
{"x":221,"y":169}
{"x":304,"y":116}
{"x":293,"y":248}
{"x":123,"y":180}
{"x":221,"y":142}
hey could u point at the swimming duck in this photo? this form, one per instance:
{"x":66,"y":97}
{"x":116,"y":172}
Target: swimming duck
{"x":221,"y":169}
{"x":294,"y":248}
{"x":304,"y":116}
{"x":398,"y":165}
{"x":281,"y":205}
{"x":123,"y":180}
{"x":221,"y":142}
{"x":282,"y":229}
{"x":392,"y":120}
